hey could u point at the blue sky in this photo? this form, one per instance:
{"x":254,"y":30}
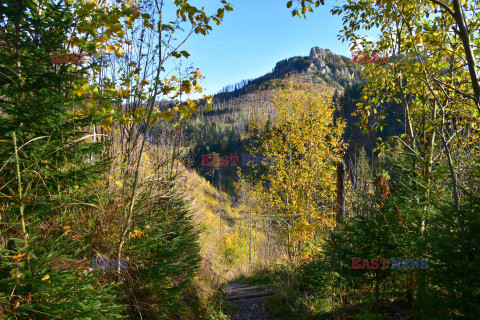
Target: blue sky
{"x":256,"y":35}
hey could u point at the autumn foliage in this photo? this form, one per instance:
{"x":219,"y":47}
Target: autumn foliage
{"x":306,"y":140}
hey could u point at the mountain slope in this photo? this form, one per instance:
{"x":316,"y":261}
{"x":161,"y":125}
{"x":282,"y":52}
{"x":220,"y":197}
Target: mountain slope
{"x":223,"y":129}
{"x":321,"y":66}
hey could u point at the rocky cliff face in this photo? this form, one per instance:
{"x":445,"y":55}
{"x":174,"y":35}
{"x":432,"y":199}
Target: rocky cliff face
{"x":318,"y":58}
{"x":323,"y":66}
{"x":331,"y":66}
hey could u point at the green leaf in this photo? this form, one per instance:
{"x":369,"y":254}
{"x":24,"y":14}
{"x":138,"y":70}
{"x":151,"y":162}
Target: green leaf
{"x":166,"y":27}
{"x":289,"y":4}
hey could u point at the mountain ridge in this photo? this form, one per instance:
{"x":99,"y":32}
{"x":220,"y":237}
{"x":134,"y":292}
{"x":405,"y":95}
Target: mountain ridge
{"x":321,"y":66}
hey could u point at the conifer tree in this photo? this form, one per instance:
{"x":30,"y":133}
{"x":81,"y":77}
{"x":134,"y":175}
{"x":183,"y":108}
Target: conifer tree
{"x":46,"y":165}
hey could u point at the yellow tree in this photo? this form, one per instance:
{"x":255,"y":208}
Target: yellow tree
{"x":305,"y":141}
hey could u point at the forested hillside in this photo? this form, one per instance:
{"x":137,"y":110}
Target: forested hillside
{"x":224,"y":129}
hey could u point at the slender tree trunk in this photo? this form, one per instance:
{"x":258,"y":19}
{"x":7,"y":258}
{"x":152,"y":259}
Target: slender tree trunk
{"x":464,"y":34}
{"x":250,"y":239}
{"x":129,"y":215}
{"x":340,"y":191}
{"x":20,"y":190}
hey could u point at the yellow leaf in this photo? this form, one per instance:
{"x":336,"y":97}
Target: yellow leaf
{"x":107,"y":123}
{"x":46,"y":277}
{"x":75,"y":41}
{"x":102,"y":38}
{"x":140,"y":112}
{"x":18,"y":257}
{"x":123,"y":93}
{"x":78,"y":91}
{"x":119,"y":183}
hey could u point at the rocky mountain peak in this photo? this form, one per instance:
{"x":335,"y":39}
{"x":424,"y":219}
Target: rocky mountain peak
{"x":331,"y":66}
{"x":317,"y":53}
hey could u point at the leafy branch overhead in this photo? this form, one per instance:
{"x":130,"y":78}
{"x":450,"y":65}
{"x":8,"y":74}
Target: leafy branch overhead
{"x":124,"y":26}
{"x":302,"y":6}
